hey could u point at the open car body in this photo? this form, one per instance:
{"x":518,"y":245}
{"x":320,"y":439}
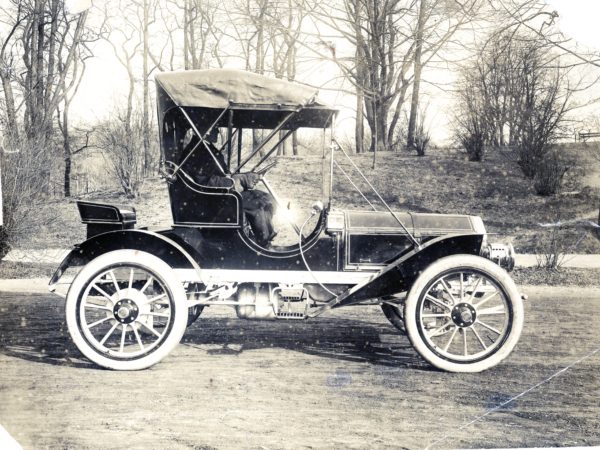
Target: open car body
{"x":349,"y":257}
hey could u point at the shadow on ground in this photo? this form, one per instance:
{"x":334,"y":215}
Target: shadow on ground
{"x":33,"y":328}
{"x":332,"y":337}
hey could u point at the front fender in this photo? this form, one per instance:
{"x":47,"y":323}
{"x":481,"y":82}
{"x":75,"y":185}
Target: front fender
{"x":166,"y":249}
{"x":400,"y":274}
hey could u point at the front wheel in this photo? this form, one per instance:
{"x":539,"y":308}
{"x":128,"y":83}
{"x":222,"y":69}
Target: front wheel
{"x":126,"y":310}
{"x":463,"y":314}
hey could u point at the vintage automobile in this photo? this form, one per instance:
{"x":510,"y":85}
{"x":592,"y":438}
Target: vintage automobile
{"x":135,"y":291}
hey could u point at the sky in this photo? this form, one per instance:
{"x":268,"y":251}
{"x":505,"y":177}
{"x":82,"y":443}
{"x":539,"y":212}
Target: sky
{"x":578,"y":19}
{"x":105,"y":80}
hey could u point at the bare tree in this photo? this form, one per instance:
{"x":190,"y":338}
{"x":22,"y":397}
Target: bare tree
{"x":284,"y":27}
{"x":62,"y":120}
{"x":418,"y":67}
{"x":120,"y":139}
{"x":37,"y":61}
{"x":384,"y":37}
{"x":517,"y":92}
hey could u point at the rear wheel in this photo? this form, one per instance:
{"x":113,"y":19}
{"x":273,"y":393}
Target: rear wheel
{"x":126,"y":310}
{"x":464,"y":314}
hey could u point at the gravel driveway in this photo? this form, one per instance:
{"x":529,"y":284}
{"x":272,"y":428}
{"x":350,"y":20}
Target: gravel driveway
{"x":346,"y":379}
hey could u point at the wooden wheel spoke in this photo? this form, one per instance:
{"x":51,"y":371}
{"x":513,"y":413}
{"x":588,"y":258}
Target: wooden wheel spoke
{"x":438,"y":302}
{"x":440,"y":330}
{"x":430,"y":316}
{"x":98,"y":322}
{"x":101,"y":307}
{"x":448,"y":290}
{"x":102,"y":292}
{"x":447,"y":346}
{"x":123,"y":334}
{"x":489,"y":327}
{"x":154,"y":299}
{"x":107,"y":335}
{"x":485,"y":300}
{"x":156,"y":333}
{"x":478,"y":337}
{"x":148,"y":283}
{"x":495,"y":311}
{"x":475,"y":289}
{"x":115,"y":283}
{"x":465,"y":350}
{"x":137,"y":338}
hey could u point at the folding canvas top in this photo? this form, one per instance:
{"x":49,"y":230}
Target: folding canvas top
{"x":217,"y":88}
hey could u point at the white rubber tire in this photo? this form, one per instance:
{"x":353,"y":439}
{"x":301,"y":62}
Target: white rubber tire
{"x":159,"y":269}
{"x":466,"y":262}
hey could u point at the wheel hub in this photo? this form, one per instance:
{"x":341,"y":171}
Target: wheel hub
{"x":125,"y":311}
{"x":463,"y":315}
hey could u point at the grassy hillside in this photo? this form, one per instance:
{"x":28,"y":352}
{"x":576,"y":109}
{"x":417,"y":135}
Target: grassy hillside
{"x":442,"y":182}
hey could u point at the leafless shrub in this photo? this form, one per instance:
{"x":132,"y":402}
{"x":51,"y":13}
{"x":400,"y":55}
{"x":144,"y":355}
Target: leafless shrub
{"x":422,"y":138}
{"x":550,"y":174}
{"x":551,"y":254}
{"x":559,"y":239}
{"x":471,"y":128}
{"x":122,"y":145}
{"x":25,"y":162}
{"x":542,"y":108}
{"x":474,"y":145}
{"x":471,"y":136}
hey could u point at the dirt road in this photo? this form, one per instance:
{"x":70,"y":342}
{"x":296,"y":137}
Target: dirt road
{"x":344,"y":380}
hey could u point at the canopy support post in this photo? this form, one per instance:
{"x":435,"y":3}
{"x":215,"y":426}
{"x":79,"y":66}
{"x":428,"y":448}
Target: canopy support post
{"x":202,"y":141}
{"x":229,"y":139}
{"x":264,"y":158}
{"x":239,"y":145}
{"x":268,"y":138}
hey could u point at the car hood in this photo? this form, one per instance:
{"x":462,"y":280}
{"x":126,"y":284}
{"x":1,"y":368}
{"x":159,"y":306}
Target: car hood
{"x":420,"y":224}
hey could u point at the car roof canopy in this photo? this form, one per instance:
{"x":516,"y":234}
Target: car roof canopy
{"x":258,"y":101}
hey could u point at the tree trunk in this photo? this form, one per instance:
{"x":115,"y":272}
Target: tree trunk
{"x":39,"y":65}
{"x":186,"y":43}
{"x":598,"y":229}
{"x":145,"y":105}
{"x":66,"y":150}
{"x":377,"y":119}
{"x":359,"y":130}
{"x":49,"y":83}
{"x":359,"y":127}
{"x":11,"y":115}
{"x":67,"y":179}
{"x":414,"y":104}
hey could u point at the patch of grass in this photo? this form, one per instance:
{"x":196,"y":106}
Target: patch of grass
{"x":565,"y":276}
{"x":444,"y":181}
{"x":12,"y":270}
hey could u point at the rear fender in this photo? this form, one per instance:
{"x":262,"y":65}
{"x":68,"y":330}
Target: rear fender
{"x":166,"y":249}
{"x":400,"y":274}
